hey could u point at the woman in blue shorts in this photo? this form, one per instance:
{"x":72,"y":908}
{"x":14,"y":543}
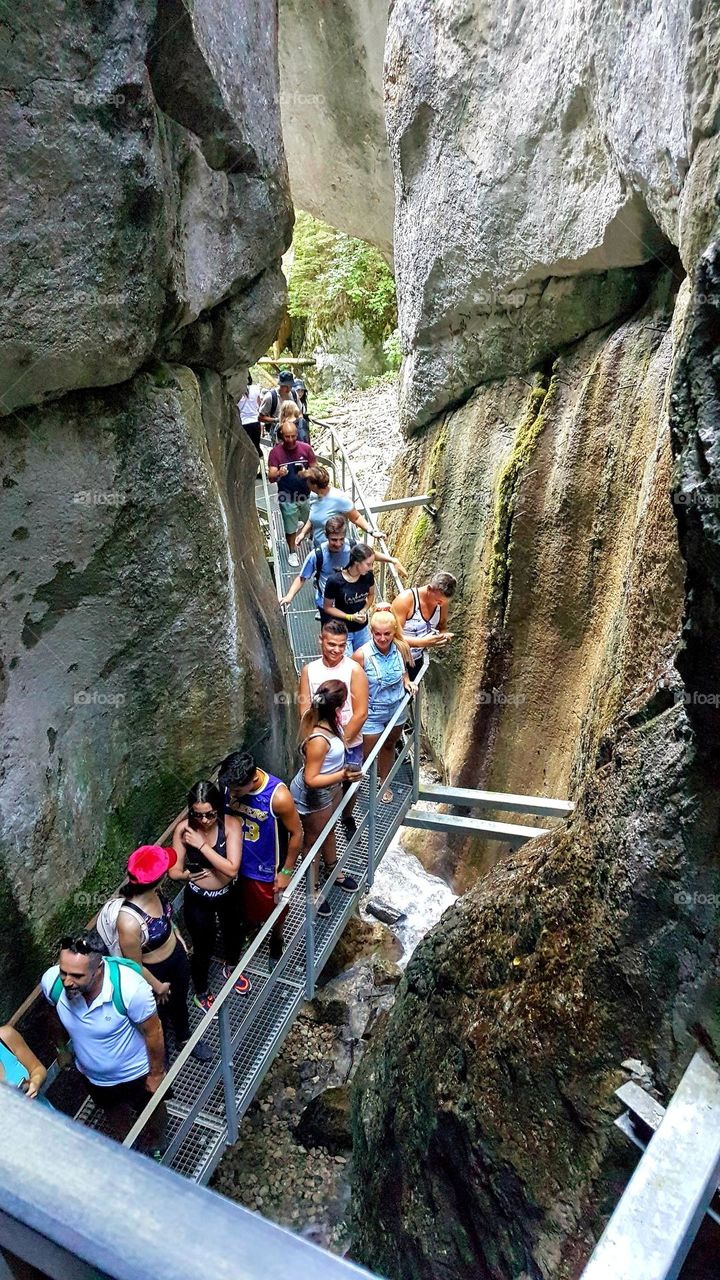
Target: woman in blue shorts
{"x":384,"y":659}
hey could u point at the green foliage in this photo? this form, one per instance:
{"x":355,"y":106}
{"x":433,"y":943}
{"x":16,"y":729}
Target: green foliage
{"x":334,"y":279}
{"x":393,"y":350}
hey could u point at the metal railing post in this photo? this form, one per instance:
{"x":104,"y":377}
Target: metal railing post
{"x":372,"y":814}
{"x":382,"y":580}
{"x":309,"y":932}
{"x":342,"y":484}
{"x":227,"y":1073}
{"x":417,"y":725}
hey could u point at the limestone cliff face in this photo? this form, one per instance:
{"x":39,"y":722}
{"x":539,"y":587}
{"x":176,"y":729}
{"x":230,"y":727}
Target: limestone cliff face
{"x":554,"y":516}
{"x":331,"y":80}
{"x":141,"y":230}
{"x":541,"y":155}
{"x":556,"y":176}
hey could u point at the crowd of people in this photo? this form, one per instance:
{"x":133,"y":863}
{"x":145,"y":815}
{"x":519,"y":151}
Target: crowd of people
{"x":121,"y":988}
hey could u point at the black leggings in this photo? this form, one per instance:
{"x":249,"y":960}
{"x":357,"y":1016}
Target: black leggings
{"x":254,"y":431}
{"x":176,"y":971}
{"x":200,"y":915}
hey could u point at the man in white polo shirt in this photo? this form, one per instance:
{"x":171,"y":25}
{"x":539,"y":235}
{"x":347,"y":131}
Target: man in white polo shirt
{"x":109,"y":1013}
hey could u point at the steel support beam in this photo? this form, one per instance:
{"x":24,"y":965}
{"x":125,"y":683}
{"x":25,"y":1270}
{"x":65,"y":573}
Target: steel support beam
{"x":396,"y":504}
{"x":507,"y":832}
{"x":500,"y":800}
{"x":650,"y":1233}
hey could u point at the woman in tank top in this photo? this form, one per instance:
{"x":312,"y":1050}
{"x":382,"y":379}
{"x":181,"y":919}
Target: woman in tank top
{"x":422,"y":614}
{"x":208,"y":844}
{"x":316,"y":785}
{"x":147,"y":935}
{"x":19,"y":1068}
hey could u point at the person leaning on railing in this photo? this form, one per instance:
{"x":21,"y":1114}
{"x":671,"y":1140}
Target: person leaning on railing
{"x":422,"y":614}
{"x":385,"y":659}
{"x":316,"y":786}
{"x":327,"y":501}
{"x":19,"y":1067}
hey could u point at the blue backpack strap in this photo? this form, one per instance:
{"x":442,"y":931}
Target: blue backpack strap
{"x":55,"y":991}
{"x":114,"y":964}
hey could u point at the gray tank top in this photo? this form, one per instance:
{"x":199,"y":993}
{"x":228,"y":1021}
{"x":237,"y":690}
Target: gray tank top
{"x":335,"y":758}
{"x":417,"y":625}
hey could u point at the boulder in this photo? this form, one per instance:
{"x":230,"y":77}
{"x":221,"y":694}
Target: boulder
{"x":134,"y":204}
{"x":540,"y":158}
{"x":359,"y":939}
{"x":325,"y":1122}
{"x":331,"y":93}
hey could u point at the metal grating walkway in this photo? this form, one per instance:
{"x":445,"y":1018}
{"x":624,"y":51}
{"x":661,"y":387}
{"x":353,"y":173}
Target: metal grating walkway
{"x":205,"y":1102}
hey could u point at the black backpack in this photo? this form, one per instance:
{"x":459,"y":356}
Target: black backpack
{"x":274,"y":402}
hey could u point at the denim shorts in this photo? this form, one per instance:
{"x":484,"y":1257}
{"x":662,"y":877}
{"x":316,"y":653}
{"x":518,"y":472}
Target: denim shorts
{"x":378,"y":719}
{"x":311,"y":799}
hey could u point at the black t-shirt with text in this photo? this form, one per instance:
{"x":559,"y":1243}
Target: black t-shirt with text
{"x":349,"y":597}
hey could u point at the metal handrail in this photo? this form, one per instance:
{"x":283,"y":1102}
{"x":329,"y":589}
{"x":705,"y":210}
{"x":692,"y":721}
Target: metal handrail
{"x":300,"y":882}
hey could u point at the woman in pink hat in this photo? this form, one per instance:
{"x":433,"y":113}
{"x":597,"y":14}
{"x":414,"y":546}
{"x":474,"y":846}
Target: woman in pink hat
{"x":146,"y":934}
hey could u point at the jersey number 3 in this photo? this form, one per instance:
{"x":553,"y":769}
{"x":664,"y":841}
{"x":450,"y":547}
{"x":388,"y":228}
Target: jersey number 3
{"x":251,"y":830}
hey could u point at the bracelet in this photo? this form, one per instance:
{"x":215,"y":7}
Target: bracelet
{"x":287,"y":871}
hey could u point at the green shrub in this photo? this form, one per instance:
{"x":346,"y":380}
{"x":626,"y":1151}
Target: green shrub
{"x":335,"y":279}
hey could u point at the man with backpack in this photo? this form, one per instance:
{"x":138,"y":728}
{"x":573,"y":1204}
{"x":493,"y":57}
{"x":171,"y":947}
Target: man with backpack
{"x":331,"y":556}
{"x":108,"y":1011}
{"x":273,"y":400}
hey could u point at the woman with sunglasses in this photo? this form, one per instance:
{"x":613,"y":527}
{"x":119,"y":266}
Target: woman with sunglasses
{"x":147,"y":935}
{"x":208,"y":844}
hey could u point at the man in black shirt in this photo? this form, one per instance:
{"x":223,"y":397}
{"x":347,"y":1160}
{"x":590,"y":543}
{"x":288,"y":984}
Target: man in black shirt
{"x":349,"y":595}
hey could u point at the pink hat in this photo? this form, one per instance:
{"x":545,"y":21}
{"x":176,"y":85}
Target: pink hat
{"x":150,"y":862}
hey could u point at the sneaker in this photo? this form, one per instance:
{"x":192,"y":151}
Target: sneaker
{"x":242,"y":984}
{"x":324,"y":909}
{"x":202,"y":1051}
{"x":349,"y":825}
{"x":204,"y":1002}
{"x":348,"y":883}
{"x":293,"y":559}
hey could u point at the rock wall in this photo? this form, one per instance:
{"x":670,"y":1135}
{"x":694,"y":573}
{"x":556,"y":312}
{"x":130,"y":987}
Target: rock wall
{"x":556,"y":178}
{"x":331,"y":80}
{"x":541,"y":155}
{"x":553,"y":515}
{"x":143,"y":219}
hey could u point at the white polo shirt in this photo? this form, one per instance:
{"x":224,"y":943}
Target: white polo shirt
{"x":108,"y":1047}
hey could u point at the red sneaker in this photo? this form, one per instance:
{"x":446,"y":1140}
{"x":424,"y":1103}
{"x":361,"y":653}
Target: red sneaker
{"x":241,"y":984}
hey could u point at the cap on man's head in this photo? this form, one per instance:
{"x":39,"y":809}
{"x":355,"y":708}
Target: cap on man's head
{"x":286,"y":379}
{"x":151,"y":861}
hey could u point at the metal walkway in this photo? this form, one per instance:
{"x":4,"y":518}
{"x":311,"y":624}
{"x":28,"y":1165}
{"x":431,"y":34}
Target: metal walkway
{"x":205,"y":1102}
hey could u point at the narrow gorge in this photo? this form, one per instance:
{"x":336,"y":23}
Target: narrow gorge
{"x":545,"y":182}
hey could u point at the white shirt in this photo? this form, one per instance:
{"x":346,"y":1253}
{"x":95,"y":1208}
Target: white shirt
{"x":249,"y":406}
{"x":108,"y":1047}
{"x":318,"y":673}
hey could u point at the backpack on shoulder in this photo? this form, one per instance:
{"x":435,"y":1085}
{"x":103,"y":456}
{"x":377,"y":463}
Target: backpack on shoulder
{"x":115,"y":965}
{"x":107,"y":923}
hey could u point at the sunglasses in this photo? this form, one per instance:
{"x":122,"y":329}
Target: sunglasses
{"x":80,"y":945}
{"x":203,"y":817}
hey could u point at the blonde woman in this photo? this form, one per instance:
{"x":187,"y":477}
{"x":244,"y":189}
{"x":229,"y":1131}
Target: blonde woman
{"x":384,"y":659}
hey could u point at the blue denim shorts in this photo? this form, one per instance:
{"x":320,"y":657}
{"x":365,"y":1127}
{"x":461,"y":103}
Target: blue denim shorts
{"x":378,"y":720}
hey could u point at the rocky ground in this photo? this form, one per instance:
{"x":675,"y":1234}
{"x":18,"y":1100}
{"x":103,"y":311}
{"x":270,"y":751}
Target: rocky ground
{"x":292,"y":1162}
{"x":369,"y":426}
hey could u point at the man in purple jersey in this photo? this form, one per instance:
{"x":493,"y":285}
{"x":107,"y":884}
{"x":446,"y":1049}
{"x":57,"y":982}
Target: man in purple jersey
{"x":270,"y":821}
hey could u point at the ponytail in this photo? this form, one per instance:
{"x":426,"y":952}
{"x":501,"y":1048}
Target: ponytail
{"x":326,"y":705}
